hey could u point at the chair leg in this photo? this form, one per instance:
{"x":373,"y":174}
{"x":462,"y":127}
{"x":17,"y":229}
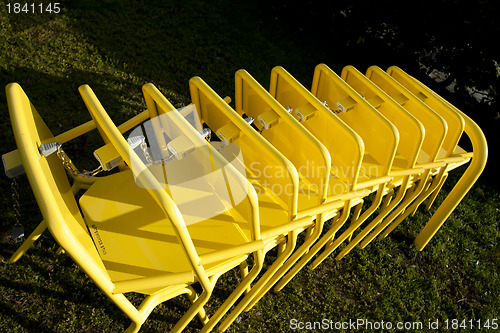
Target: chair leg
{"x":202,"y":315}
{"x":412,"y":194}
{"x":197,"y":306}
{"x":257,"y":290}
{"x":133,"y":328}
{"x":28,"y":242}
{"x":355,"y":215}
{"x":431,"y":188}
{"x":386,"y":210}
{"x":140,"y":314}
{"x":265,"y":283}
{"x":414,"y":206}
{"x":235,"y":295}
{"x":436,"y":192}
{"x":244,"y":273}
{"x":388,"y":199}
{"x":292,"y":271}
{"x":301,"y":251}
{"x":330,"y":248}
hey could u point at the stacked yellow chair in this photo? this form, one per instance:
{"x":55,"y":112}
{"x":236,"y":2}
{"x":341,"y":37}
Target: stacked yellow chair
{"x":273,"y":175}
{"x":287,"y":160}
{"x":435,"y":163}
{"x":308,"y":155}
{"x":377,"y":150}
{"x":197,"y":255}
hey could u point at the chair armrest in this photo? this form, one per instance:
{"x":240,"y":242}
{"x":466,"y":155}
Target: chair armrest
{"x":232,"y":252}
{"x":287,"y":227}
{"x":373,"y":182}
{"x":407,"y":172}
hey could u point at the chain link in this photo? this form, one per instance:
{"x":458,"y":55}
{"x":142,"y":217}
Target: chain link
{"x":17,"y":230}
{"x":147,"y":155}
{"x":328,"y":107}
{"x":70,"y":167}
{"x":15,"y":200}
{"x":145,"y":152}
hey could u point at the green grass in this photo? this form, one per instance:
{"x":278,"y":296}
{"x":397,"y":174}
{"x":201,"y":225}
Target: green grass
{"x":116,"y":47}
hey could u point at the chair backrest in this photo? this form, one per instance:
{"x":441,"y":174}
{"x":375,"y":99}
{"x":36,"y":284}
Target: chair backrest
{"x":51,"y":187}
{"x":208,"y":161}
{"x":345,"y":146}
{"x":411,"y":131}
{"x":455,"y":121}
{"x":156,"y":188}
{"x":263,"y":162}
{"x":435,"y":126}
{"x":379,"y":135}
{"x":309,"y":156}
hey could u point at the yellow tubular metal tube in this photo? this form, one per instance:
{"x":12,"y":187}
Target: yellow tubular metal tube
{"x":28,"y":242}
{"x":235,"y":251}
{"x":315,"y":249}
{"x":354,"y":225}
{"x":386,"y":210}
{"x":261,"y":283}
{"x":244,"y":286}
{"x":436,"y":192}
{"x":480,"y":149}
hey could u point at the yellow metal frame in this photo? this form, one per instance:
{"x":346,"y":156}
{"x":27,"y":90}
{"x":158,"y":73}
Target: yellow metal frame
{"x":436,"y":130}
{"x":411,"y":133}
{"x":258,"y":154}
{"x":479,"y":157}
{"x":392,"y":133}
{"x":380,"y":136}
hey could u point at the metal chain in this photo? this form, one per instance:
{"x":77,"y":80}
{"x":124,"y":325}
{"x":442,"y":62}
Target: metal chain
{"x":15,"y":199}
{"x":70,"y":167}
{"x":147,"y":156}
{"x":17,"y":230}
{"x":328,"y":107}
{"x":145,"y":151}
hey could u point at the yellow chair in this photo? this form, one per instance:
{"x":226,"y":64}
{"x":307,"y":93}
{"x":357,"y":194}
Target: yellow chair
{"x":275,"y":178}
{"x":346,"y":178}
{"x":310,"y":158}
{"x":13,"y":166}
{"x":379,"y":135}
{"x":479,"y":155}
{"x":176,"y":272}
{"x":455,"y":129}
{"x":213,"y":245}
{"x":454,"y":158}
{"x":411,"y":131}
{"x":439,"y":137}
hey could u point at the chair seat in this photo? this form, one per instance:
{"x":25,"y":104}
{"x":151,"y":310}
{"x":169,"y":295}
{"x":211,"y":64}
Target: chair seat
{"x":134,"y":237}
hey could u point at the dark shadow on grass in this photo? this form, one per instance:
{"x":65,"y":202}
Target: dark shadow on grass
{"x":402,"y":237}
{"x":30,"y":325}
{"x":169,"y":42}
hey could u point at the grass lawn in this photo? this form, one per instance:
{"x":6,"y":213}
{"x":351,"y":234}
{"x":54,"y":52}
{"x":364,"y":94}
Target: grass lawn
{"x":116,"y":47}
